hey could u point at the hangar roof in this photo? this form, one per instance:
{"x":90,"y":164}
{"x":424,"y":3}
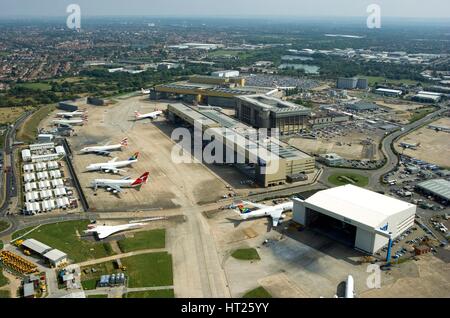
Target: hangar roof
{"x":358,"y":204}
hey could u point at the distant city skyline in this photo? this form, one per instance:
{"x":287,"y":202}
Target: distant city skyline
{"x":214,"y":8}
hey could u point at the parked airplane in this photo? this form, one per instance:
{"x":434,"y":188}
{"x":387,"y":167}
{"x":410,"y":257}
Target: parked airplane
{"x":349,"y":287}
{"x":145,"y":91}
{"x":113,"y":165}
{"x":409,"y":146}
{"x":151,"y":115}
{"x":103,"y":231}
{"x":275,"y":212}
{"x":115,"y":185}
{"x":72,"y":114}
{"x":69,"y":122}
{"x":106,"y":149}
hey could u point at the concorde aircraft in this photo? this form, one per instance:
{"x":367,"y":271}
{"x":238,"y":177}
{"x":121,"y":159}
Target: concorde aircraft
{"x":103,"y":231}
{"x":113,"y":165}
{"x":151,"y":115}
{"x":72,"y":114}
{"x":275,"y":212}
{"x":69,"y":122}
{"x":115,"y":185}
{"x":106,"y":149}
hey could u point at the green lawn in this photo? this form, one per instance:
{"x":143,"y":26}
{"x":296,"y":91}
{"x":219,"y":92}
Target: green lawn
{"x":97,"y":296}
{"x":4,"y":294}
{"x":3,"y":225}
{"x":63,"y":236}
{"x":89,"y":280}
{"x":348,"y":178}
{"x":89,"y":284}
{"x":149,"y":270}
{"x":246,"y":254}
{"x":382,"y":80}
{"x":420,"y":113}
{"x":144,"y":240}
{"x":36,"y":86}
{"x":3,"y":279}
{"x":162,"y":293}
{"x":259,"y":292}
{"x":28,"y":130}
{"x":224,"y":53}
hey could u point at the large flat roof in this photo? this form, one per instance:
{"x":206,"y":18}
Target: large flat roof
{"x":273,"y":104}
{"x":358,"y":204}
{"x":439,"y":187}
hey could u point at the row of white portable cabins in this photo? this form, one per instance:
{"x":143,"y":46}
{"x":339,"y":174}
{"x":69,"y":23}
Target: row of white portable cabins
{"x":46,"y":205}
{"x":43,"y":185}
{"x":42,"y":175}
{"x":40,"y":166}
{"x":45,"y":194}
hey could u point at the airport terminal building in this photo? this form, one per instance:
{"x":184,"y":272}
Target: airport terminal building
{"x":262,"y":111}
{"x":353,"y":215}
{"x":292,"y":164}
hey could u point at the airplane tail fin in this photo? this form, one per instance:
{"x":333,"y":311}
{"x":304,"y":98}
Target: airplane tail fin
{"x":134,"y":156}
{"x":141,"y":180}
{"x":124,"y":142}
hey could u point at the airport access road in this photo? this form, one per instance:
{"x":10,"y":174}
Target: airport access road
{"x":392,"y":159}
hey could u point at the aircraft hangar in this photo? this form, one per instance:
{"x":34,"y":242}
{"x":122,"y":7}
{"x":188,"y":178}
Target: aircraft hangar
{"x":355,"y":216}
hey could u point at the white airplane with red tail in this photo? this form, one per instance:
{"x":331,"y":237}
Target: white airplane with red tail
{"x":151,"y":115}
{"x":115,"y":185}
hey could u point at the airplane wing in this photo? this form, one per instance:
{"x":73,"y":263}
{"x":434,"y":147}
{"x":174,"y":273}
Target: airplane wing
{"x":115,"y":170}
{"x":276,"y":216}
{"x":258,"y":205}
{"x":115,"y":187}
{"x":103,"y":152}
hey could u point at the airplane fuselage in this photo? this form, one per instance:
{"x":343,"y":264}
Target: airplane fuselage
{"x":68,"y":122}
{"x":283,"y":207}
{"x":151,"y":115}
{"x":109,"y":166}
{"x":101,"y":148}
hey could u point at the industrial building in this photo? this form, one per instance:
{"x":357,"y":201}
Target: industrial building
{"x":324,"y":118}
{"x":55,"y":257}
{"x":331,"y":159}
{"x":262,"y":111}
{"x":227,"y":73}
{"x":352,"y":83}
{"x":427,"y":97}
{"x":355,"y":216}
{"x":438,"y":188}
{"x":238,"y":137}
{"x":67,"y":106}
{"x":388,"y":92}
{"x":361,"y":106}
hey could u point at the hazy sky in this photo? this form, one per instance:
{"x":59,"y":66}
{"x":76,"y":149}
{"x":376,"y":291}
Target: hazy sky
{"x":311,"y":8}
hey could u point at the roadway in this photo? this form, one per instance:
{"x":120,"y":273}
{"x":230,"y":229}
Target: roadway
{"x":391,"y":157}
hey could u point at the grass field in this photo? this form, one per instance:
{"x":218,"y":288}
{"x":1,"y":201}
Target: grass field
{"x":163,"y":293}
{"x":3,"y":225}
{"x":246,"y":254}
{"x":36,"y":86}
{"x":420,"y":113}
{"x":3,"y":279}
{"x":4,"y":294}
{"x":382,"y":80}
{"x":348,"y":178}
{"x":259,"y":292}
{"x":8,"y":115}
{"x":97,"y":296}
{"x":89,"y":281}
{"x":149,"y":270}
{"x":144,"y":240}
{"x":223,"y":53}
{"x":63,"y":236}
{"x":28,"y":131}
{"x":1,"y":244}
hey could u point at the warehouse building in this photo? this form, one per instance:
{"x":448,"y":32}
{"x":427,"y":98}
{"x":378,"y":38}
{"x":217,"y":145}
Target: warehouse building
{"x":438,"y":188}
{"x":262,"y":111}
{"x":55,"y":257}
{"x":354,"y":216}
{"x":388,"y":92}
{"x":238,"y":137}
{"x":35,"y":246}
